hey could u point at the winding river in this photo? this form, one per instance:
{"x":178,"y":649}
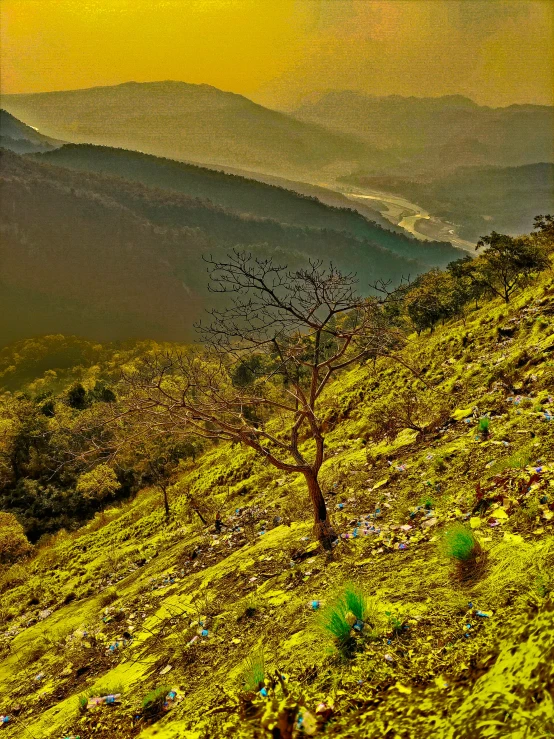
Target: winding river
{"x":411,"y":217}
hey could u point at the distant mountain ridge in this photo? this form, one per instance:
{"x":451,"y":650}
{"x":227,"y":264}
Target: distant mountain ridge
{"x":338,"y":133}
{"x":434,"y":134}
{"x":22,"y":139}
{"x":198,"y":123}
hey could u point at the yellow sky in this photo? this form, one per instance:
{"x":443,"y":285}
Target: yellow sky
{"x":278,"y":51}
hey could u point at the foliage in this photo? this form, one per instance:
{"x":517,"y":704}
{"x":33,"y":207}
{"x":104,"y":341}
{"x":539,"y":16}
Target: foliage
{"x":348,"y":609}
{"x":153,"y":701}
{"x":98,"y":484}
{"x":484,"y":425}
{"x":13,"y":542}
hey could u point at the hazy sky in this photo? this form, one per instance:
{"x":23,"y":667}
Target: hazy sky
{"x":278,"y":51}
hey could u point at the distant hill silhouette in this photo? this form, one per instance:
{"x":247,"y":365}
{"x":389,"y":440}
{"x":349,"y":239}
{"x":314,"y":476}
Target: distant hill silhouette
{"x":17,"y":136}
{"x":108,"y":258}
{"x":434,"y":134}
{"x":193,"y":122}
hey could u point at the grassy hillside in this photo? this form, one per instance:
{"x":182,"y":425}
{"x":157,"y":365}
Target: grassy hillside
{"x":130,"y":604}
{"x":182,"y":121}
{"x":110,"y":258}
{"x":478,"y":199}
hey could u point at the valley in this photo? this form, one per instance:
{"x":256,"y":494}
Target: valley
{"x":412,"y":218}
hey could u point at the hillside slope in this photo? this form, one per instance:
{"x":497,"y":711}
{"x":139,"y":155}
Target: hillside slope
{"x":233,"y":192}
{"x":109,"y":259}
{"x":181,"y":607}
{"x":183,"y":121}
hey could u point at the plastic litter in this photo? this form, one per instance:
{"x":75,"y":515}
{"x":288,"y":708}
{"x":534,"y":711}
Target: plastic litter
{"x":205,"y":632}
{"x":108,"y":700}
{"x":315,"y":604}
{"x":263,"y":692}
{"x":169,"y":700}
{"x":4,"y":719}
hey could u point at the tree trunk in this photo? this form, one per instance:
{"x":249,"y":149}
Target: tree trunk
{"x":323,"y":531}
{"x":166,"y":503}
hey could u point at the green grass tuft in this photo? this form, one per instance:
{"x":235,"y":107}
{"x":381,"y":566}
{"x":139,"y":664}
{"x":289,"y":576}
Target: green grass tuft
{"x":153,"y":701}
{"x":336,"y":618}
{"x":484,"y":425}
{"x":459,"y":543}
{"x":253,"y":674}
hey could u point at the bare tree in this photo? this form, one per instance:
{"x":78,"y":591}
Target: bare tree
{"x":266,"y":359}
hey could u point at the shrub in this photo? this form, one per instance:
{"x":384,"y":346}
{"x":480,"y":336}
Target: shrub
{"x":14,"y":545}
{"x":99,"y":483}
{"x":108,"y":596}
{"x":484,"y":425}
{"x":459,"y":543}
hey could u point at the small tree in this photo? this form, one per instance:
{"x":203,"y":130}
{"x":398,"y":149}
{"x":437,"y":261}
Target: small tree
{"x":507,"y":263}
{"x":101,"y":482}
{"x":266,"y":361}
{"x":430,"y":300}
{"x":544,"y":231}
{"x":13,"y":542}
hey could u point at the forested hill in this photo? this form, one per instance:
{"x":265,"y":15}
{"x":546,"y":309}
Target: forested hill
{"x":17,"y":136}
{"x":108,"y":258}
{"x":230,"y":191}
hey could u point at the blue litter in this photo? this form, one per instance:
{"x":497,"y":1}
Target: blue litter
{"x":263,"y":692}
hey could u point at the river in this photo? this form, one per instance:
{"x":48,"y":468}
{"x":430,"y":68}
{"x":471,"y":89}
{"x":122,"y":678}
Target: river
{"x":411,"y":217}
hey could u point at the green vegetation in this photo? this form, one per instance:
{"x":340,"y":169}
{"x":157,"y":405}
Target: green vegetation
{"x":459,"y":543}
{"x":253,"y":674}
{"x":117,"y":594}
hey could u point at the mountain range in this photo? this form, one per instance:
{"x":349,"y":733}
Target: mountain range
{"x":182,"y":121}
{"x":337,"y":134}
{"x":17,"y":136}
{"x":436,"y":134}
